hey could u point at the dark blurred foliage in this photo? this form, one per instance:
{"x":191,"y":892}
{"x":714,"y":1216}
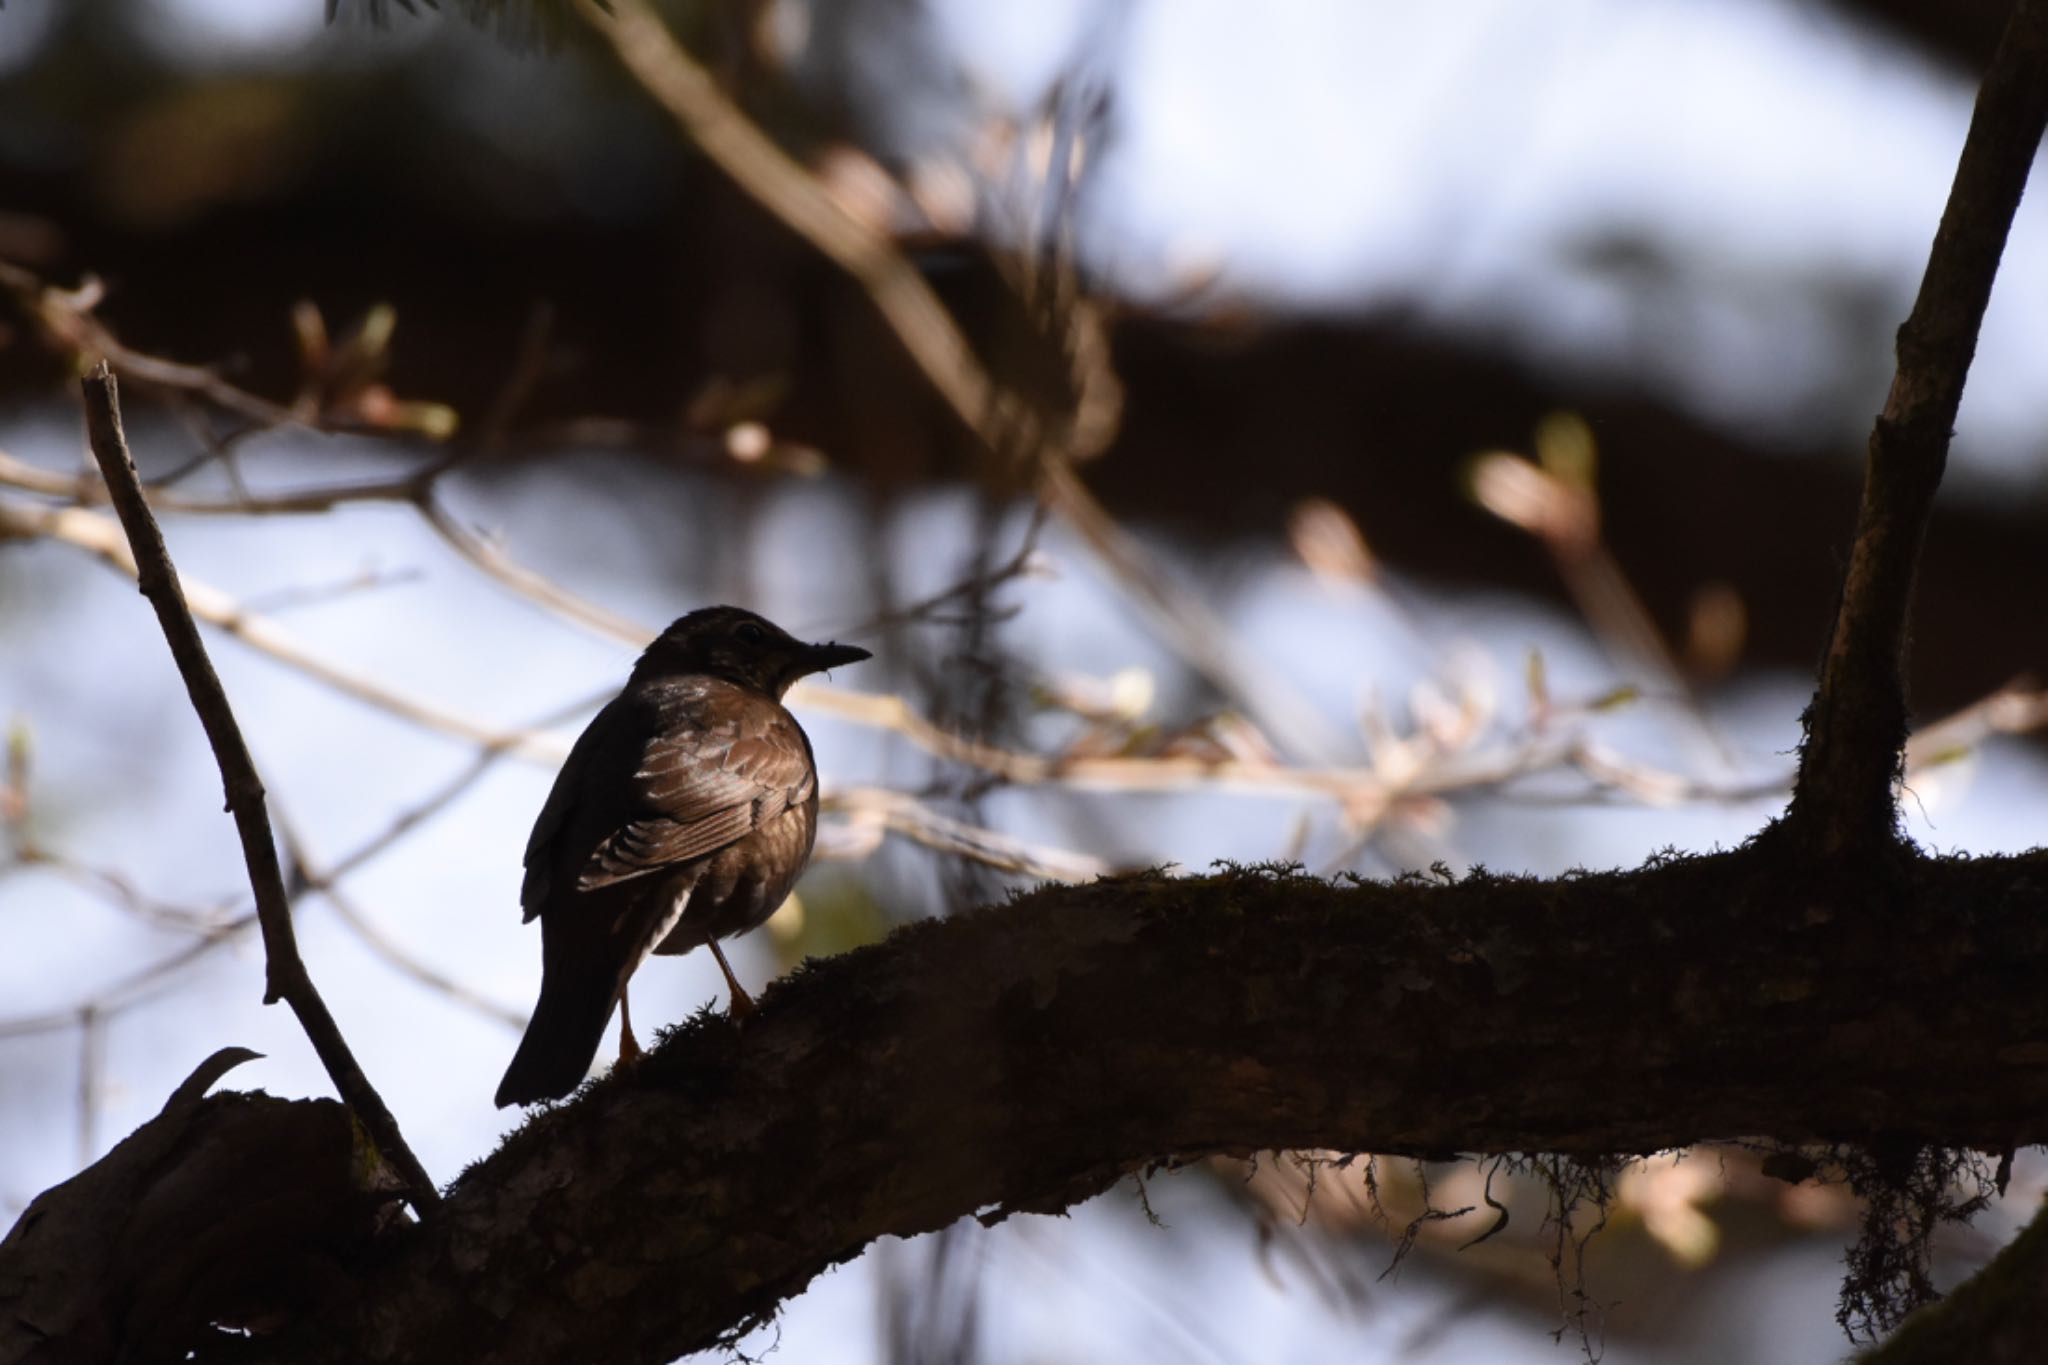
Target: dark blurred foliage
{"x":399,"y":157}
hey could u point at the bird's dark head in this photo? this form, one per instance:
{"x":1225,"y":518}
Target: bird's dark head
{"x":738,"y":646}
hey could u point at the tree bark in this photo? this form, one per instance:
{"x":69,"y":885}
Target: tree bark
{"x":223,"y":1210}
{"x":1024,"y":1057}
{"x":1856,"y":727}
{"x":1999,"y":1317}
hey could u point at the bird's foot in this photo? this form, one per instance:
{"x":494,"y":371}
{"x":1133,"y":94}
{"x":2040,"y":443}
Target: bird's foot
{"x":629,"y":1046}
{"x":742,"y":1003}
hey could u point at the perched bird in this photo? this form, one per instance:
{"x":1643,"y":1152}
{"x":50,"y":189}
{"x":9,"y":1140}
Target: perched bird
{"x":683,"y":815}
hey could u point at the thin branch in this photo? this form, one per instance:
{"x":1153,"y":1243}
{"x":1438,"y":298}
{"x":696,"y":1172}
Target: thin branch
{"x":871,"y":812}
{"x":117,"y":889}
{"x":1555,"y":499}
{"x":92,"y":1065}
{"x":92,"y":532}
{"x":970,"y":593}
{"x":359,"y":584}
{"x":768,"y":175}
{"x":144,"y":983}
{"x":1365,"y":792}
{"x":1856,"y":726}
{"x":934,"y":341}
{"x":86,"y":491}
{"x":287,"y":978}
{"x":325,"y":882}
{"x":2018,"y":708}
{"x":495,"y":564}
{"x":1193,"y":629}
{"x":887,"y":711}
{"x":103,"y":538}
{"x":129,"y":991}
{"x":67,"y":317}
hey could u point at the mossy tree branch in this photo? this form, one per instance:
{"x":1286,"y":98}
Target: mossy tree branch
{"x":1998,"y":1317}
{"x":1856,"y":727}
{"x":1026,"y":1056}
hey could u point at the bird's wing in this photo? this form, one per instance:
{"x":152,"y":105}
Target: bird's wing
{"x":703,"y":787}
{"x":608,"y":729}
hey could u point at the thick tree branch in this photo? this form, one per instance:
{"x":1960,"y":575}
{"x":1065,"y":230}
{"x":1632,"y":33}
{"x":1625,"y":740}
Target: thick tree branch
{"x":221,"y":1210}
{"x":1856,"y":726}
{"x":287,"y":978}
{"x":1025,"y":1056}
{"x":1998,"y":1317}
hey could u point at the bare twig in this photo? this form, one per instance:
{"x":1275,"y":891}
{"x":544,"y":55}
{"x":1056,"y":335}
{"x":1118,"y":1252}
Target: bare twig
{"x":690,"y":95}
{"x":115,"y":888}
{"x":1366,"y":793}
{"x":130,"y":990}
{"x":325,"y":882}
{"x":287,"y":978}
{"x":870,"y":812}
{"x":1555,"y":499}
{"x":144,"y":983}
{"x":86,"y":491}
{"x":1857,"y":724}
{"x":2018,"y":708}
{"x":93,"y":532}
{"x":495,"y":564}
{"x":92,"y":1049}
{"x":970,"y":593}
{"x":934,"y":341}
{"x":1189,"y":625}
{"x":368,"y":579}
{"x":67,"y":317}
{"x":1166,"y":772}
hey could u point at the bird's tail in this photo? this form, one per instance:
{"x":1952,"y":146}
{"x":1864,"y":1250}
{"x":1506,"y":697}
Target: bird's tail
{"x":567,"y":1025}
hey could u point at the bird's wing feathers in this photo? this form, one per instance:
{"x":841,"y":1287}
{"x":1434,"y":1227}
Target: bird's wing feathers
{"x":654,"y":843}
{"x":585,"y":756}
{"x":701,"y":787}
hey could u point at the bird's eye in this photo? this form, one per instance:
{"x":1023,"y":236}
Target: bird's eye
{"x":747,"y":633}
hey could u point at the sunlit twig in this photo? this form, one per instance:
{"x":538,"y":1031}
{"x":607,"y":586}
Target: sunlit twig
{"x":935,"y":342}
{"x":97,"y":534}
{"x":867,"y":813}
{"x":325,"y":883}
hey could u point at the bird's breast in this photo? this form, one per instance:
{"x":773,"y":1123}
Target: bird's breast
{"x":744,"y":883}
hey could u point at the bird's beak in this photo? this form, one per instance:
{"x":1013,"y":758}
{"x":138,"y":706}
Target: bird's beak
{"x":818,"y":658}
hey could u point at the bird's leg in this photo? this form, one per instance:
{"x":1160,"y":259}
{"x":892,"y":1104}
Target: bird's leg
{"x":742,"y":1003}
{"x":629,"y":1046}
